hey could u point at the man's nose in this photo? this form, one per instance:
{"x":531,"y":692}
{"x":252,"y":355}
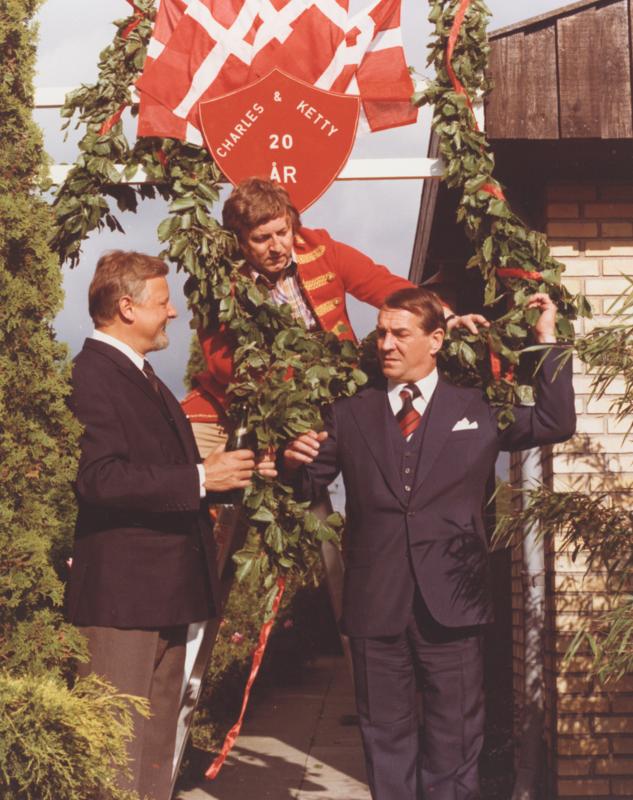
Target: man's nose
{"x":386,"y":342}
{"x":171,"y":312}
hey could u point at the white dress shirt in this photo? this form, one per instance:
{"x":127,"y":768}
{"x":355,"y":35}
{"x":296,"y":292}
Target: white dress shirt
{"x":137,"y":359}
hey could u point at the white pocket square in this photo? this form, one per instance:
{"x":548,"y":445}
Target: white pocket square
{"x":465,"y":425}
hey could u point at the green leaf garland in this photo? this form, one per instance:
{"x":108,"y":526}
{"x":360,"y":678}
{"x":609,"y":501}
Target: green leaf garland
{"x":501,"y":240}
{"x":283,"y":373}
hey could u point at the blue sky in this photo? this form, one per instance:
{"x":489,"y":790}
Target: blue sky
{"x":378,"y":217}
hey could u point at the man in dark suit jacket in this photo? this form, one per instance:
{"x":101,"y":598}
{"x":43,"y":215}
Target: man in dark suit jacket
{"x":144,"y":556}
{"x":415,"y":453}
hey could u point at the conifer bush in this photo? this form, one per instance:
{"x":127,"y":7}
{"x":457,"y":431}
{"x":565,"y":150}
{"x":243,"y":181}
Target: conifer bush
{"x":55,"y":742}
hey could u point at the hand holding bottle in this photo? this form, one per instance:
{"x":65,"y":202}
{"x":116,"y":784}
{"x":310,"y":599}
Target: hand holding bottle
{"x":228,"y":470}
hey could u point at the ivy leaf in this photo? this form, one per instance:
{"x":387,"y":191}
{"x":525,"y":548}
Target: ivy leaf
{"x":182,"y":204}
{"x":499,"y":208}
{"x":166,"y":228}
{"x":263,"y":514}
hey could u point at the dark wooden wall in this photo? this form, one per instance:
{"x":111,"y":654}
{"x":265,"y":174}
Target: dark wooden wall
{"x":564,"y":75}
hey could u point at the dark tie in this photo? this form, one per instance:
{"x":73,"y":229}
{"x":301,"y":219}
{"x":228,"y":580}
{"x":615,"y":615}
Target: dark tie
{"x":149,"y":373}
{"x":408,"y":418}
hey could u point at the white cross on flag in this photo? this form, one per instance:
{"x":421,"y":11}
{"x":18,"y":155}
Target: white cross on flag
{"x":202,"y":49}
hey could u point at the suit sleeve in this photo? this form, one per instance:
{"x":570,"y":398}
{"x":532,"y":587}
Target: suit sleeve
{"x":313,"y":478}
{"x":553,"y":417}
{"x":107,"y":475}
{"x":363,"y":278}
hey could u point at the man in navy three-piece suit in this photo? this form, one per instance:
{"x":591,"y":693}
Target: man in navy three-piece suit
{"x":415,"y":453}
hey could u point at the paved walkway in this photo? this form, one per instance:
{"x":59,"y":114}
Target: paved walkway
{"x":297,"y":744}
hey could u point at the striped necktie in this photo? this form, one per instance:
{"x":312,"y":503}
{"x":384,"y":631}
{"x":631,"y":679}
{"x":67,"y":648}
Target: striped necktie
{"x":408,"y":418}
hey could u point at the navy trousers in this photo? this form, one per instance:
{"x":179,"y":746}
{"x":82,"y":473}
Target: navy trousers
{"x":439,"y":759}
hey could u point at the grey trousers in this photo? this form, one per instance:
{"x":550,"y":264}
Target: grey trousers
{"x":149,"y":664}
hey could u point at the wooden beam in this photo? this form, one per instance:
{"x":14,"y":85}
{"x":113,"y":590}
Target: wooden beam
{"x":524,"y":101}
{"x":356,"y":169}
{"x":425,"y":220}
{"x":595,"y":73}
{"x":548,"y":17}
{"x":52,"y":96}
{"x":505,"y":106}
{"x":540,"y":89}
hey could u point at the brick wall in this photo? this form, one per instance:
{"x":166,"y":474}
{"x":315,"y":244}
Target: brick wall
{"x":589,"y":731}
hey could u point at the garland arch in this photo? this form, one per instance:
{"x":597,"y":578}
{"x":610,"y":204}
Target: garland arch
{"x":269,"y":345}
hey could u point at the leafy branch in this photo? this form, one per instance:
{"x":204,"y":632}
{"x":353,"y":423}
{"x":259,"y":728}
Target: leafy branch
{"x":514,"y":261}
{"x":285,"y":373}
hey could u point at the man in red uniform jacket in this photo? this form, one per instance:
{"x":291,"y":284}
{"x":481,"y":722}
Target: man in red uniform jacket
{"x":303,"y":267}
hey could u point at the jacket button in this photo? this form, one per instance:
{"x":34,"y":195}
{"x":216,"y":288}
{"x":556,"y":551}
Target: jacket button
{"x":410,"y":513}
{"x":330,"y":277}
{"x":337,"y":301}
{"x":407,"y":488}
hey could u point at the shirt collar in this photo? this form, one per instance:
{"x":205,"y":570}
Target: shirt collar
{"x":136,"y":358}
{"x":426,"y":386}
{"x":289,"y":270}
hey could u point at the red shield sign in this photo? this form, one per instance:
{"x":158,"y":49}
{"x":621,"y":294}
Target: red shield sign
{"x":285,"y":129}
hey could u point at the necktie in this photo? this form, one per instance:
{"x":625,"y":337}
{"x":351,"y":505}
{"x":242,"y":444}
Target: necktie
{"x":408,"y":418}
{"x":149,"y":373}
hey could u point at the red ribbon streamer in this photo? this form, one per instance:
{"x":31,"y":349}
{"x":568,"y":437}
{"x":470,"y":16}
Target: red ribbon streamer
{"x":517,"y":272}
{"x":450,"y":49}
{"x":138,"y":16}
{"x":258,"y":656}
{"x":492,"y":189}
{"x":162,"y":157}
{"x":112,"y":121}
{"x":495,"y":365}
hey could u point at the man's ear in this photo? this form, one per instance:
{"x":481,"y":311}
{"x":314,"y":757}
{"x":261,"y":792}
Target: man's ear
{"x":437,"y":340}
{"x":126,"y":308}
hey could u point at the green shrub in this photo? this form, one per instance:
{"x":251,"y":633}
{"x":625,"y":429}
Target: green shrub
{"x":56,"y":743}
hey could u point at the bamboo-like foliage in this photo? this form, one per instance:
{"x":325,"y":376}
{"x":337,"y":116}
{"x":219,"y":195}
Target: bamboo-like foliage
{"x":608,"y":352}
{"x":54,"y":742}
{"x":596,"y":525}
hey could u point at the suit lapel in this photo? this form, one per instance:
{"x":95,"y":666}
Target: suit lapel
{"x":369,"y":415}
{"x":170,"y":409}
{"x":125,"y":366}
{"x":447,"y":407}
{"x":180,"y":423}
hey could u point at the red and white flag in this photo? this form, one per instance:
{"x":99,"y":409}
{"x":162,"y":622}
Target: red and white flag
{"x":202,"y":49}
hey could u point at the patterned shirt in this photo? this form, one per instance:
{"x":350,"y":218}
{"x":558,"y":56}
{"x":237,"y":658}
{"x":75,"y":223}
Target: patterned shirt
{"x":287,"y":289}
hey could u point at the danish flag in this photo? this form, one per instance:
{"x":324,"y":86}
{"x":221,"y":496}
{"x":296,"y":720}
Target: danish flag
{"x":202,"y":49}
